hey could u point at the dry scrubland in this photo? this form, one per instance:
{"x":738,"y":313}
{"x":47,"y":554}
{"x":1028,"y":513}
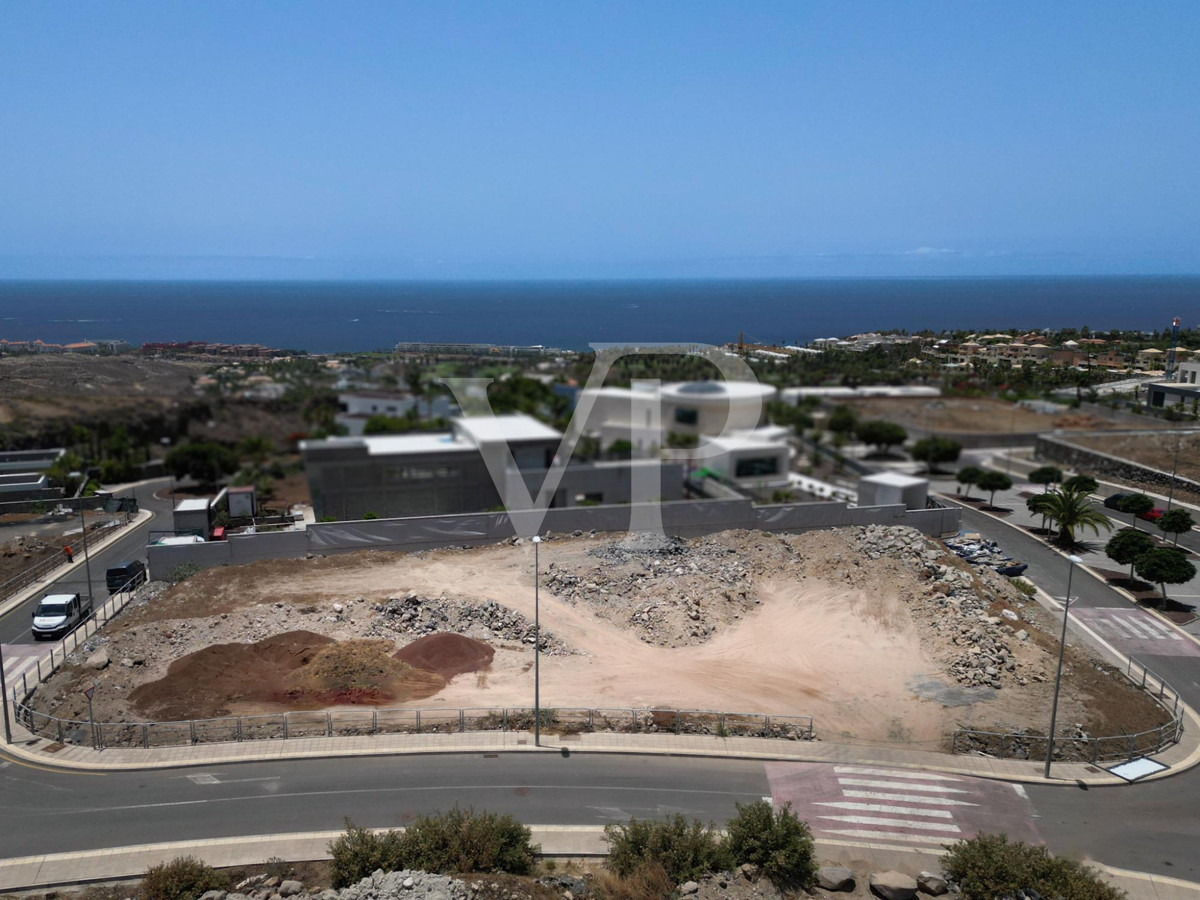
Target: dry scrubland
{"x":878,"y":633}
{"x":976,"y":415}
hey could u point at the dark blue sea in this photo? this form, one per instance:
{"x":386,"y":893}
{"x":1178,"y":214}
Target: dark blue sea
{"x":343,"y":316}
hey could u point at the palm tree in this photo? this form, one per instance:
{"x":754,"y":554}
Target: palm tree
{"x":1070,"y":510}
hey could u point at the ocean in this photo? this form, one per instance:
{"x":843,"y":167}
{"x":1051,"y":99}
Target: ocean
{"x":345,"y":316}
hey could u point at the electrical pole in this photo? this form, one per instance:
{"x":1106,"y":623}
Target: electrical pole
{"x":537,"y":650}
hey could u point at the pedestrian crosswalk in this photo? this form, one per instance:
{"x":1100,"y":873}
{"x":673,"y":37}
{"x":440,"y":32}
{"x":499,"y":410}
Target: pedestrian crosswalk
{"x":898,"y":805}
{"x":20,"y":658}
{"x":1136,"y":631}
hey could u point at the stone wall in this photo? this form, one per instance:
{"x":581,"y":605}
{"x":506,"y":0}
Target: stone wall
{"x":1060,"y":449}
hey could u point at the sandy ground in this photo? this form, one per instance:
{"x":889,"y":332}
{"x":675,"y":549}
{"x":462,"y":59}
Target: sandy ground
{"x":972,"y":415}
{"x":854,"y":642}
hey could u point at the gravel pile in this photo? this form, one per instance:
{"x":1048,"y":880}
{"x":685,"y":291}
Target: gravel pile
{"x":487,"y":621}
{"x":670,"y":592}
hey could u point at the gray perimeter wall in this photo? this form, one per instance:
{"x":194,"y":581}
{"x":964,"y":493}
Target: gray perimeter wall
{"x":684,"y":519}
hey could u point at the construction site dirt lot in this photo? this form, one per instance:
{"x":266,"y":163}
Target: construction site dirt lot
{"x":1148,"y":448}
{"x":880,"y":634}
{"x":973,"y":415}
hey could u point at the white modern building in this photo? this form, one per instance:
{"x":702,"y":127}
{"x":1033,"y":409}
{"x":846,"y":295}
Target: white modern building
{"x":356,"y":407}
{"x":887,"y":488}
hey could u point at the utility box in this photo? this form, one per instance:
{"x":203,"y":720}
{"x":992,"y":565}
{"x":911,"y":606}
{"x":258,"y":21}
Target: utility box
{"x":241,"y":502}
{"x":193,"y":516}
{"x":890,"y":488}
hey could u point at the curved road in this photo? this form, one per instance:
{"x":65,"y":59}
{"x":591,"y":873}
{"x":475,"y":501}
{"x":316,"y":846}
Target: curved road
{"x":1148,"y":827}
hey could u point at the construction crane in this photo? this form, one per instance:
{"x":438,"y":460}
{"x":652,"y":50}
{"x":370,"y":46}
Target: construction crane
{"x":1171,"y":352}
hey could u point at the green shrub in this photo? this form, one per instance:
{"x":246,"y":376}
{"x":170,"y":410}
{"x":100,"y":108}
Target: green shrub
{"x":183,"y":878}
{"x":774,"y":840}
{"x":183,"y":572}
{"x":359,"y":852}
{"x":1025,"y":587}
{"x":989,"y":866}
{"x":684,"y":849}
{"x":466,"y":841}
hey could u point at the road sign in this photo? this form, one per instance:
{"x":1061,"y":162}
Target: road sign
{"x":87,"y":692}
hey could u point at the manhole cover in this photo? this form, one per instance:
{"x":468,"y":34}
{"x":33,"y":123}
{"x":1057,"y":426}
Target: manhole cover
{"x":524,"y":792}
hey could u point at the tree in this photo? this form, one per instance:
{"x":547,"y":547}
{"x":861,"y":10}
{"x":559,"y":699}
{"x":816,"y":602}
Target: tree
{"x":1039,"y":505}
{"x":1084,"y":484}
{"x":1127,"y":546}
{"x":842,"y":420}
{"x":1176,"y":521}
{"x":933,"y":451}
{"x":967,"y":476}
{"x":881,"y":434}
{"x":1070,"y":510}
{"x":620,"y":449}
{"x":205,"y":461}
{"x":1163,"y":566}
{"x":61,"y":472}
{"x":992,"y":482}
{"x":1136,"y":505}
{"x":780,"y":412}
{"x":256,"y":448}
{"x":1046,"y":475}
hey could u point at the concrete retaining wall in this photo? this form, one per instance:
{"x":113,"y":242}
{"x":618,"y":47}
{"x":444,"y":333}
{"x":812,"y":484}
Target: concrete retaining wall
{"x":682,"y":519}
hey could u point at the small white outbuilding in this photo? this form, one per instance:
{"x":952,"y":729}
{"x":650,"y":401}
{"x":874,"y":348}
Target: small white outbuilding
{"x":887,"y":488}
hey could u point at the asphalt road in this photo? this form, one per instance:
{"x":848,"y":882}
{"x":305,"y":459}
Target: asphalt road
{"x":15,"y":626}
{"x":1149,"y":827}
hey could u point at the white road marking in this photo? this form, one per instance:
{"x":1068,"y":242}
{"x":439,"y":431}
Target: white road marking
{"x":895,"y":823}
{"x":881,"y":808}
{"x":1020,"y":789}
{"x":202,"y":778}
{"x":892,"y":773}
{"x":890,"y":835}
{"x":902,"y":785}
{"x":910,"y":798}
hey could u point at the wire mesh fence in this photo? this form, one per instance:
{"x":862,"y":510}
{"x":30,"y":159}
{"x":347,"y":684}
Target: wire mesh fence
{"x":1077,"y":747}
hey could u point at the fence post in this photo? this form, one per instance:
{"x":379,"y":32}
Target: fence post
{"x":328,"y":724}
{"x":678,"y":720}
{"x":39,"y":669}
{"x":766,"y":725}
{"x":192,"y":729}
{"x":1132,"y":745}
{"x":633,"y":720}
{"x":418,"y":721}
{"x":462,"y":721}
{"x":1095,"y":749}
{"x":239,"y":729}
{"x":374,"y":720}
{"x":591,"y":720}
{"x":1143,"y":679}
{"x":504,"y":720}
{"x":146,"y":736}
{"x":51,"y":659}
{"x":285,"y":726}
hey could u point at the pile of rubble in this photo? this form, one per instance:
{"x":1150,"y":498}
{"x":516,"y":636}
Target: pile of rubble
{"x":670,"y":592}
{"x":968,"y":611}
{"x":487,"y":621}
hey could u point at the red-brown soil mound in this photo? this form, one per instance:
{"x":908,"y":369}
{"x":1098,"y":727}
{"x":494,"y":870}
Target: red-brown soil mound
{"x":447,"y":654}
{"x":297,"y":670}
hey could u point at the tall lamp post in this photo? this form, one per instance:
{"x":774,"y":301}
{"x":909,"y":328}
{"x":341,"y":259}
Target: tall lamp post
{"x":1062,"y":646}
{"x":537,"y":650}
{"x":1174,"y":469}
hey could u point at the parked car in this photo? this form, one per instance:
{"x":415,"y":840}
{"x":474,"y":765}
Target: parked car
{"x":125,"y":575}
{"x":1114,"y":502}
{"x":58,"y":614}
{"x":1153,"y":515}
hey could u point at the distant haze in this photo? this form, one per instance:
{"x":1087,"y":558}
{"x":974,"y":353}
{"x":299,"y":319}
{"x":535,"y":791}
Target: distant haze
{"x":526,"y":139}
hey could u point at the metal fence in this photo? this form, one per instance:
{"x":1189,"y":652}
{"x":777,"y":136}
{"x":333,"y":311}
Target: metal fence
{"x":370,"y":721}
{"x":1072,"y":747}
{"x":39,"y":570}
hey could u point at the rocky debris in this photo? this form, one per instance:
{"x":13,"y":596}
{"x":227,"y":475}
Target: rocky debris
{"x":934,"y":885}
{"x":835,"y":878}
{"x":893,"y":885}
{"x":670,"y":592}
{"x":409,"y":885}
{"x":98,"y":660}
{"x":487,"y":621}
{"x":290,"y":888}
{"x":688,"y":888}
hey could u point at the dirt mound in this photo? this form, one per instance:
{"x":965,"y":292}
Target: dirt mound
{"x":298,"y":670}
{"x":447,"y":654}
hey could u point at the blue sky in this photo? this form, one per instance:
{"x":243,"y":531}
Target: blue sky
{"x":579,"y":139}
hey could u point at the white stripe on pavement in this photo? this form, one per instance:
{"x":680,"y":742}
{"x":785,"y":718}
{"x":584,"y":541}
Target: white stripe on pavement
{"x":906,"y":798}
{"x":892,"y":773}
{"x":890,"y":835}
{"x":881,"y":808}
{"x":902,"y":785}
{"x":895,"y":823}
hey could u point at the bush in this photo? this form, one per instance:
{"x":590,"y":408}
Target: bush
{"x":183,"y":572}
{"x":359,"y":852}
{"x":774,"y":840}
{"x":183,"y":878}
{"x":466,"y":841}
{"x":1025,"y":587}
{"x":684,"y":849}
{"x":989,"y":866}
{"x":649,"y":881}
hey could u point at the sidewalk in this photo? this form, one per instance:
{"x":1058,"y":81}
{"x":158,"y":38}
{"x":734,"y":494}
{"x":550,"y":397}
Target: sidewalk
{"x":559,"y":841}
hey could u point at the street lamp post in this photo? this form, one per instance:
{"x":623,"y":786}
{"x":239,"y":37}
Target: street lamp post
{"x":1062,"y":646}
{"x":4,"y":698}
{"x":1174,"y":469}
{"x":537,"y":650}
{"x":87,"y":562}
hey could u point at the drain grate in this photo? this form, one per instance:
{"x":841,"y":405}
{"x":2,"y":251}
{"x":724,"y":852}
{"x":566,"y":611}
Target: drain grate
{"x":55,"y":747}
